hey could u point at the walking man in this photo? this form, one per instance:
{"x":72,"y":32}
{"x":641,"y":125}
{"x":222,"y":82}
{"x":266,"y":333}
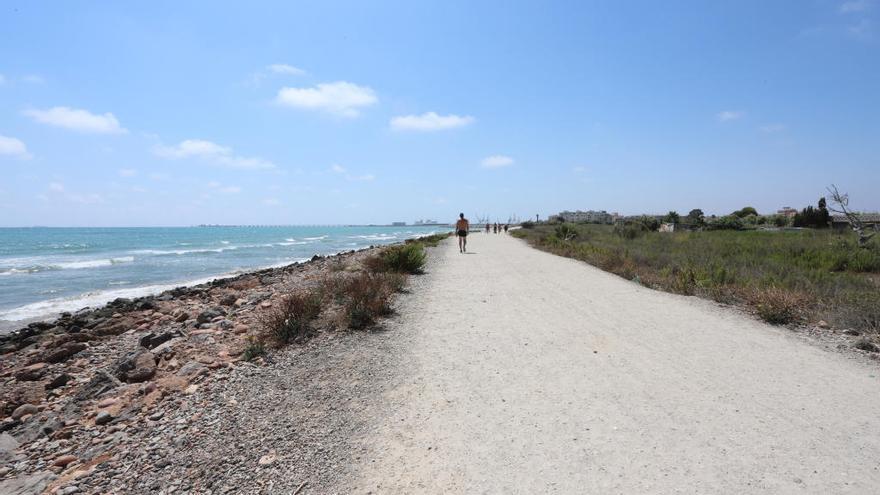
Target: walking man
{"x":461,"y":230}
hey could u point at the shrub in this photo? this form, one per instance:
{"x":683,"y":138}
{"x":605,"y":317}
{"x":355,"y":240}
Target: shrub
{"x":566,"y":232}
{"x":729,"y":222}
{"x":254,"y":349}
{"x":430,"y":240}
{"x":776,"y":306}
{"x":367,"y":296}
{"x":866,"y":345}
{"x":406,"y":258}
{"x":527,"y":225}
{"x":292,"y":318}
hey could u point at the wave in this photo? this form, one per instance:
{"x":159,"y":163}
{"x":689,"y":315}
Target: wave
{"x":315,"y":238}
{"x":67,"y":265}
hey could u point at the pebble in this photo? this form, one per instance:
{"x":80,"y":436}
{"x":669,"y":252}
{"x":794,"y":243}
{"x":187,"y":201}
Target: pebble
{"x":103,"y":418}
{"x":24,"y":410}
{"x":64,"y":460}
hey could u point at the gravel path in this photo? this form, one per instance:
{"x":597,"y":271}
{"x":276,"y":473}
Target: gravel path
{"x":522,"y":372}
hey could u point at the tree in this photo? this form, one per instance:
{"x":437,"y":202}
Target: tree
{"x":855,"y":222}
{"x":671,"y":217}
{"x":695,"y":218}
{"x":746,"y":211}
{"x":817,"y":218}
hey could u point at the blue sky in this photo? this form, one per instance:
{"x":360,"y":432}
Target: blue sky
{"x":180,"y":113}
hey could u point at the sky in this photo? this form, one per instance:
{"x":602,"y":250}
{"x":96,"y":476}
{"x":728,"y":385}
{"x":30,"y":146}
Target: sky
{"x":325,"y":112}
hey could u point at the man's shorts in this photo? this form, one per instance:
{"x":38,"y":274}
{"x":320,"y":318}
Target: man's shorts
{"x":461,"y":233}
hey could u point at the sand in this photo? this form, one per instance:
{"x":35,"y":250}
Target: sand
{"x":525,"y":372}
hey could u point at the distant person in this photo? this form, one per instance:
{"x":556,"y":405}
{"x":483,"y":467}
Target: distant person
{"x":506,"y":226}
{"x":487,"y":228}
{"x":494,"y":228}
{"x":461,"y":230}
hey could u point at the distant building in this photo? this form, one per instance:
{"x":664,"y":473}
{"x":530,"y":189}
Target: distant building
{"x":787,"y":211}
{"x":868,"y":220}
{"x":667,"y":227}
{"x":398,"y":224}
{"x":586,"y":216}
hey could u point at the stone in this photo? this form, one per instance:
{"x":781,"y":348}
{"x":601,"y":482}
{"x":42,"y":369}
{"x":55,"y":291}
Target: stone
{"x":64,"y":352}
{"x":152,"y":340}
{"x":228,"y":300}
{"x":182,"y":317}
{"x":109,"y":401}
{"x":59,"y":381}
{"x":822,"y":324}
{"x":31,"y":373}
{"x":68,"y":490}
{"x":64,"y":460}
{"x":103,"y":418}
{"x":33,"y":484}
{"x":24,"y":410}
{"x":208,"y":315}
{"x":192,"y":369}
{"x":268,"y":459}
{"x":136,"y":367}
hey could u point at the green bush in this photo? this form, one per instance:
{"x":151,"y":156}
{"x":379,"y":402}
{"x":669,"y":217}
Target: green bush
{"x":527,"y":225}
{"x":408,"y":258}
{"x":254,"y":349}
{"x":367,"y":297}
{"x":566,"y":232}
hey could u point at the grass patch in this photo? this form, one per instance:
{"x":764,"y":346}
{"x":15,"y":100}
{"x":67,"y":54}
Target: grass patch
{"x":783,"y":276}
{"x":367,"y":297}
{"x":402,"y":258}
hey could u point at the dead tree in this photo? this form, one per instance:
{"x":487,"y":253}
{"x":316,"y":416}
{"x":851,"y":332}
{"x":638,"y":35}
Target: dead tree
{"x":855,"y":221}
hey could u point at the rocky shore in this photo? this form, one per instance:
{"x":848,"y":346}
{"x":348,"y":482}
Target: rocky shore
{"x":116,"y":399}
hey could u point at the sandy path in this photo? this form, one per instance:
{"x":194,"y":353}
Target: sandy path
{"x":529,"y":373}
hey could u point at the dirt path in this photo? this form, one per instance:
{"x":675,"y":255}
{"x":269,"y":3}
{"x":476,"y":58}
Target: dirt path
{"x":525,"y":372}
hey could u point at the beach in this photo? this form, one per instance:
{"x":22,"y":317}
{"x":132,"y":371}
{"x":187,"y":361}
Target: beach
{"x":506,"y":369}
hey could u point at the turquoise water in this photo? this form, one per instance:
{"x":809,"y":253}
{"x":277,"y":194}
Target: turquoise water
{"x":48,"y":270}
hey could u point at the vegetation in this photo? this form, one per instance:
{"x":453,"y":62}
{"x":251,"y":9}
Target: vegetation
{"x":292,"y":318}
{"x":254,"y":349}
{"x":817,"y":218}
{"x":783,"y":276}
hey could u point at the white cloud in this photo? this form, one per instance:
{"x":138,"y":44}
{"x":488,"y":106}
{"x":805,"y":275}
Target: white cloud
{"x":212,"y":153}
{"x":286,"y":69}
{"x":339,"y":98}
{"x":339,"y":169}
{"x":33,"y":79}
{"x":429,"y":121}
{"x":127,"y":172}
{"x":728,"y":115}
{"x":771,"y":128}
{"x":271,"y":202}
{"x":9,"y":146}
{"x":223,"y":189}
{"x":56,"y":187}
{"x":77,"y":120}
{"x":86,"y":199}
{"x":497,"y":161}
{"x":853,"y":6}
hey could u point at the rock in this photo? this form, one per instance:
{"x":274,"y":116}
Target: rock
{"x":152,"y":340}
{"x":136,"y":367}
{"x":33,"y":484}
{"x":156,"y":416}
{"x":822,"y":324}
{"x":64,"y":352}
{"x":208,"y":315}
{"x":228,"y":300}
{"x":31,"y":373}
{"x":64,"y":460}
{"x":850,"y":331}
{"x":24,"y":410}
{"x":8,"y":444}
{"x":192,"y":369}
{"x":240,"y":329}
{"x":100,"y":383}
{"x":59,"y":381}
{"x":109,"y":401}
{"x":68,"y":490}
{"x":182,"y":317}
{"x":103,"y":418}
{"x":191,"y":389}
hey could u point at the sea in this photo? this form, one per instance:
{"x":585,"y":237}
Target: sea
{"x":46,"y":271}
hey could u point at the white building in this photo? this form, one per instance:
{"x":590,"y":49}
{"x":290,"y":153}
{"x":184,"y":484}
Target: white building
{"x":586,"y":216}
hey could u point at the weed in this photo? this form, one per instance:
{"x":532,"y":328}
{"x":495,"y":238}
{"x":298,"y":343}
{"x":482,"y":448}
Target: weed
{"x":405,"y":258}
{"x":254,"y":349}
{"x":367,"y":296}
{"x":292,"y":318}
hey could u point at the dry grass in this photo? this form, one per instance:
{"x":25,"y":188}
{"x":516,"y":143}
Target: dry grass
{"x":291,"y":319}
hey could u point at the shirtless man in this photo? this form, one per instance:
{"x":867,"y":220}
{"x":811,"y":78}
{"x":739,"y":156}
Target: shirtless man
{"x":461,"y":230}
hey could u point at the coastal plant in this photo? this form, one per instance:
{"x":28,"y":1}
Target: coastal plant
{"x":367,"y":296}
{"x":402,"y":258}
{"x":566,"y":232}
{"x":254,"y":349}
{"x":775,"y":305}
{"x":292,"y":318}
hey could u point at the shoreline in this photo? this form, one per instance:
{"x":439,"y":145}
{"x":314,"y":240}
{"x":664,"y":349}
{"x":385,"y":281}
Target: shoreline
{"x":77,"y":304}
